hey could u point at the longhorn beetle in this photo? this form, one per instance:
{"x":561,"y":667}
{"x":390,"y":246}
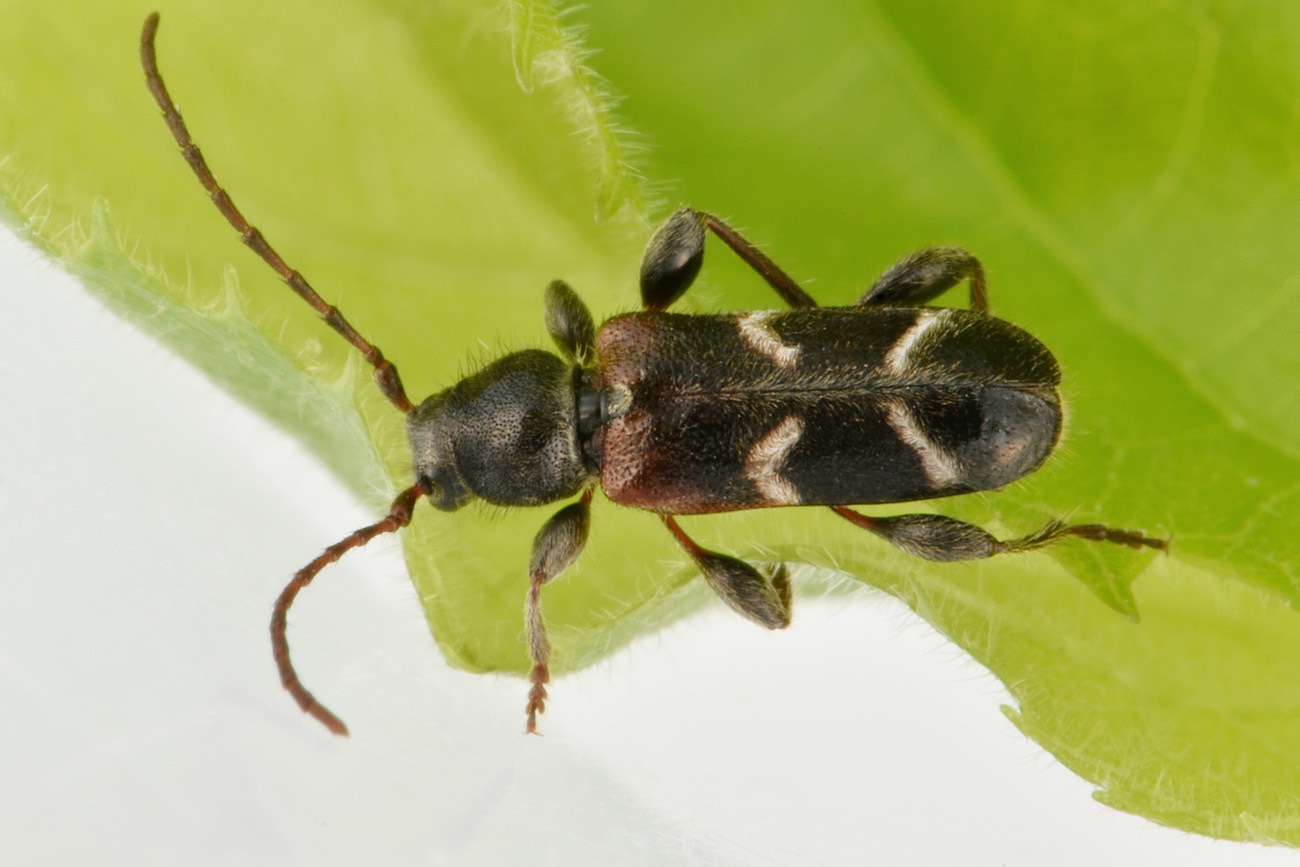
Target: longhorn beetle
{"x":885,"y":401}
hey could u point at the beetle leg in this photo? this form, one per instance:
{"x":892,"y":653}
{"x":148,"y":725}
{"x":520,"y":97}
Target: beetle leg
{"x":924,"y":276}
{"x":766,"y":601}
{"x":944,"y":539}
{"x":555,"y":547}
{"x":570,"y":324}
{"x":675,"y":253}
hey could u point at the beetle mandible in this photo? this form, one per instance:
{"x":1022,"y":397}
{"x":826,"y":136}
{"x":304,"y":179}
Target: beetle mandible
{"x":884,"y":401}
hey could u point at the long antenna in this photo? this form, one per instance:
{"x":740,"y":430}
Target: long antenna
{"x":385,"y":373}
{"x":399,"y":514}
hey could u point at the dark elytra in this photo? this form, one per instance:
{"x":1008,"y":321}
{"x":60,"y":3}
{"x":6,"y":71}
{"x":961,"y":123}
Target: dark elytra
{"x":884,"y":401}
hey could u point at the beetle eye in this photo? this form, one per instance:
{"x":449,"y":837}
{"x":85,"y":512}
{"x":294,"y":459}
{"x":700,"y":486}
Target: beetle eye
{"x":431,"y":490}
{"x":444,"y":489}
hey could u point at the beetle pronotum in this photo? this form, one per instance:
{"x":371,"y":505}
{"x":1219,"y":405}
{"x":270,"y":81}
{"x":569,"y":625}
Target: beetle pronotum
{"x":885,"y":401}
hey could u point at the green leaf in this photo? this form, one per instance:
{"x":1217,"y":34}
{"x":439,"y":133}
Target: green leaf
{"x":1126,"y":173}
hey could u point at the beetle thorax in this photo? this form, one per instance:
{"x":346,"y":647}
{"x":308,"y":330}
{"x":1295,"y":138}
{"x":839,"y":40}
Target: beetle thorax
{"x":506,"y":434}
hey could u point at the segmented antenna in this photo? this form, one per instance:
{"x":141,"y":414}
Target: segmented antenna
{"x":399,"y":514}
{"x":385,"y":373}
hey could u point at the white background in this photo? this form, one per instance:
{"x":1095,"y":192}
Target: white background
{"x":147,"y":523}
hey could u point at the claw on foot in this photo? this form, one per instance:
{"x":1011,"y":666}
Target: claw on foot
{"x":536,"y":696}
